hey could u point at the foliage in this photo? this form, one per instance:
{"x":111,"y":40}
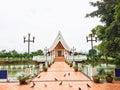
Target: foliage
{"x":45,"y":68}
{"x":24,"y":77}
{"x":96,"y":79}
{"x":38,"y":52}
{"x":101,"y":71}
{"x":117,"y":61}
{"x":75,"y":53}
{"x":15,"y":54}
{"x":92,"y":52}
{"x":105,"y":11}
{"x":67,"y":62}
{"x":109,"y":73}
{"x":109,"y":33}
{"x":71,"y":64}
{"x":109,"y":77}
{"x":93,"y":55}
{"x":76,"y":67}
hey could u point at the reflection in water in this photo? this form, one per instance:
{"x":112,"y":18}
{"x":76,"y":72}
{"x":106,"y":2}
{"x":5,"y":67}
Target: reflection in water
{"x":89,"y":70}
{"x":15,"y":70}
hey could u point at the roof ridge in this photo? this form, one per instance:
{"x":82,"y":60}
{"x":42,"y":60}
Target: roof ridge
{"x":58,"y":39}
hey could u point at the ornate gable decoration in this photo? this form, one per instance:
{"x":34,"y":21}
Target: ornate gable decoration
{"x":59,"y":39}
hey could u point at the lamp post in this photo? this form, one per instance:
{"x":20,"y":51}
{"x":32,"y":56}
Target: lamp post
{"x":46,"y":52}
{"x":29,"y":40}
{"x":92,"y":38}
{"x":73,"y":50}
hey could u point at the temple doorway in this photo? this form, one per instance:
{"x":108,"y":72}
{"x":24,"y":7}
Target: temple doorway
{"x":59,"y":53}
{"x":59,"y":49}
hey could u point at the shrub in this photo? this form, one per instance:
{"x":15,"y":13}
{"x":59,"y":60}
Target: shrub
{"x":96,"y":79}
{"x":76,"y":68}
{"x":45,"y":68}
{"x":22,"y":78}
{"x":71,"y":64}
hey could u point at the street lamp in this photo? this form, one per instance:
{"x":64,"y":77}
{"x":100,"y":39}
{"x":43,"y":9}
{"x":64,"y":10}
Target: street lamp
{"x":46,"y":52}
{"x":73,"y":50}
{"x":29,"y":40}
{"x":91,"y":38}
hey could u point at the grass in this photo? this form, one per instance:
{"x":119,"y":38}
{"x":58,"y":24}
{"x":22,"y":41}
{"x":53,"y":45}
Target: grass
{"x":16,"y":59}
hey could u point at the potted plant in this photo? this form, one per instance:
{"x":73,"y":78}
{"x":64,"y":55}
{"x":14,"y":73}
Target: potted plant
{"x":70,"y":64}
{"x":49,"y":64}
{"x":23,"y":78}
{"x":76,"y":68}
{"x":96,"y":79}
{"x":45,"y":68}
{"x":67,"y":62}
{"x":109,"y":77}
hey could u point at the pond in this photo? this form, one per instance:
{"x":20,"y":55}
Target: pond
{"x":90,"y":71}
{"x":15,"y":70}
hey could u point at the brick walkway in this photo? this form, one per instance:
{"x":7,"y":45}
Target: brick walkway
{"x":60,"y":71}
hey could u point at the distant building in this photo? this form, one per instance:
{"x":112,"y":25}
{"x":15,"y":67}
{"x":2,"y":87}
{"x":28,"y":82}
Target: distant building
{"x":59,"y":51}
{"x":59,"y":48}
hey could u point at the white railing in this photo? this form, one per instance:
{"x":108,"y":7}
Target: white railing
{"x":42,"y":58}
{"x":50,"y":58}
{"x":77,"y":58}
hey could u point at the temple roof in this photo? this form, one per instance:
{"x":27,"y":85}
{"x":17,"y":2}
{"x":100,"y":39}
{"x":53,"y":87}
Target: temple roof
{"x":59,"y":39}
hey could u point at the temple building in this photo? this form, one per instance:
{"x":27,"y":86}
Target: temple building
{"x":59,"y":48}
{"x":59,"y":51}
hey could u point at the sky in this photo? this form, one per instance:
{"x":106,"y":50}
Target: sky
{"x":44,"y":19}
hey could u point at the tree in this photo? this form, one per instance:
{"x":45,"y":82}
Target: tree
{"x":14,"y":54}
{"x":38,"y":52}
{"x":109,"y":13}
{"x":92,"y":52}
{"x":25,"y":54}
{"x":99,"y":30}
{"x":105,"y":11}
{"x":75,"y":53}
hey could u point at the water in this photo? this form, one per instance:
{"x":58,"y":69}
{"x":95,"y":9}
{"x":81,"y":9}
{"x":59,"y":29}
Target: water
{"x":90,"y":71}
{"x":15,"y":70}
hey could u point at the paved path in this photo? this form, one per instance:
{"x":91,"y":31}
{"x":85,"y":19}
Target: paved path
{"x":63,"y":73}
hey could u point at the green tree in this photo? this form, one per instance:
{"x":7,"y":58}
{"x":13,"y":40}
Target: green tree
{"x":92,"y":52}
{"x":75,"y":53}
{"x":38,"y":52}
{"x":109,"y":13}
{"x":14,"y":54}
{"x":105,"y":11}
{"x":25,"y":54}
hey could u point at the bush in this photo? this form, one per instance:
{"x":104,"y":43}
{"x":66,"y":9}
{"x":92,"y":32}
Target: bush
{"x":96,"y":79}
{"x":45,"y":68}
{"x":22,"y":78}
{"x":71,"y":64}
{"x":101,"y":71}
{"x":76,"y":68}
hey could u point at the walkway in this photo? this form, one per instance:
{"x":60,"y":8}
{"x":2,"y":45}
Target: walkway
{"x":63,"y":73}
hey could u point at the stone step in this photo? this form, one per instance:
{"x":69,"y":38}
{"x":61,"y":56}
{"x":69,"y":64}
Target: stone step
{"x":59,"y":59}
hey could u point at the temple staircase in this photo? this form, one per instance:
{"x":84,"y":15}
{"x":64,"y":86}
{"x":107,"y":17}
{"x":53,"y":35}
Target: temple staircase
{"x":59,"y":59}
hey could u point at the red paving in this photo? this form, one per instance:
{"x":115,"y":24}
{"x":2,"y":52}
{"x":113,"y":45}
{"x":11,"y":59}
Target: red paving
{"x":59,"y":59}
{"x":72,"y":82}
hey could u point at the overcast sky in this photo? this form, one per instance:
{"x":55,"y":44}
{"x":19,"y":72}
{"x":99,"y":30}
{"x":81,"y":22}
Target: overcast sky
{"x":43,"y":19}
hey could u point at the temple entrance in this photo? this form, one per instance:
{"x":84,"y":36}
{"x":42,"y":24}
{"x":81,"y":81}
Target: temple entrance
{"x":59,"y":53}
{"x":59,"y":48}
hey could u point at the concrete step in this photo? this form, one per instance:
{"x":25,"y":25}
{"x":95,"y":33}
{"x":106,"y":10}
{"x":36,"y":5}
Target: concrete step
{"x":59,"y":59}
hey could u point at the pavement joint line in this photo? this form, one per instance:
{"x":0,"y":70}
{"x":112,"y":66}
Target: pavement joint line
{"x":60,"y":71}
{"x":63,"y":81}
